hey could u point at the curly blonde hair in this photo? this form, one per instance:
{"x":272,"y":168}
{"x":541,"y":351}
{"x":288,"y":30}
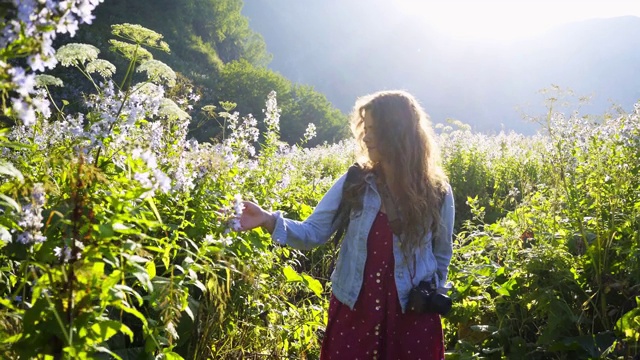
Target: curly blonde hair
{"x":406,"y":142}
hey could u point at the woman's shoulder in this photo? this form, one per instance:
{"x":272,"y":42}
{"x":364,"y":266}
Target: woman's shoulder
{"x":443,"y":186}
{"x":356,"y":173}
{"x":445,"y":193}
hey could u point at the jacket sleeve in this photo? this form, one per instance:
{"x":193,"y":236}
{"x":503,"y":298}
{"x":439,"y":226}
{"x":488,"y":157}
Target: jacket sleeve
{"x":316,"y":229}
{"x":443,"y":245}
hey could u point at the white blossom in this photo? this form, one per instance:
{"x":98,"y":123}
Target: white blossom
{"x":31,"y":217}
{"x":310,"y":133}
{"x":24,"y":81}
{"x":24,"y":111}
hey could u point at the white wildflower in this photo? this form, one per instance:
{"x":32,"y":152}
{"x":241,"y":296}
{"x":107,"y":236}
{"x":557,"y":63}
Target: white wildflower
{"x":170,"y":110}
{"x":272,"y":113}
{"x":158,"y":72}
{"x":238,"y":205}
{"x":310,"y":133}
{"x":43,"y":80}
{"x":102,"y":67}
{"x":65,"y":253}
{"x":75,"y":54}
{"x":31,"y":220}
{"x":24,"y":111}
{"x":24,"y":81}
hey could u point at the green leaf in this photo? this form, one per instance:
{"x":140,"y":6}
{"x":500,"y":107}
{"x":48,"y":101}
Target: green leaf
{"x":501,"y":290}
{"x":124,"y":229}
{"x":97,"y":269}
{"x":5,"y":235}
{"x":153,"y":207}
{"x":484,"y":328}
{"x":291,"y":275}
{"x":313,"y":284}
{"x":106,"y":329}
{"x":143,"y":278}
{"x":506,"y":288}
{"x":105,"y":230}
{"x":103,"y":349}
{"x":111,"y":281}
{"x":134,"y":312}
{"x":170,"y":355}
{"x":7,"y":303}
{"x":187,"y":310}
{"x":7,"y":168}
{"x":119,"y":290}
{"x":151,"y":269}
{"x":629,"y":324}
{"x":135,"y":258}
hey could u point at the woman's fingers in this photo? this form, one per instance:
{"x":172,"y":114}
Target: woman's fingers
{"x":251,"y":216}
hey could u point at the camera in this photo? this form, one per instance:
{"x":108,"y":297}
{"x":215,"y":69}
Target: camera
{"x":425,"y":299}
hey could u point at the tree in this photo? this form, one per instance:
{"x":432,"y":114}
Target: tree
{"x":203,"y":34}
{"x":306,"y":105}
{"x":214,"y":50}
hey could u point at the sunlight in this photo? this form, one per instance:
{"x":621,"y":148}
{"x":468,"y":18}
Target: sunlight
{"x":508,"y":20}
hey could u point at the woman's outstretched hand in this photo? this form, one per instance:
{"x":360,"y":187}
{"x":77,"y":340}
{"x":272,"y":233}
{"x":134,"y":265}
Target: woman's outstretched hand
{"x":253,"y":216}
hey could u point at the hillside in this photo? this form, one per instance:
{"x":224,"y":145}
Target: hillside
{"x":216,"y":53}
{"x":487,"y":85}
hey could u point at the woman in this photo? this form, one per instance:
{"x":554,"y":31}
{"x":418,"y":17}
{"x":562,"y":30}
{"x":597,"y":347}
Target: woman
{"x":399,"y":233}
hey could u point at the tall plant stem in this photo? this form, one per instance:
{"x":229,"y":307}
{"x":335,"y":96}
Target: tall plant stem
{"x":128,"y":75}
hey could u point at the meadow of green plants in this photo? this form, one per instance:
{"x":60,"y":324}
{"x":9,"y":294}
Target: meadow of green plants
{"x":116,"y":228}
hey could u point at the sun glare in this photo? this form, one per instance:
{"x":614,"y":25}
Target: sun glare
{"x":508,"y":20}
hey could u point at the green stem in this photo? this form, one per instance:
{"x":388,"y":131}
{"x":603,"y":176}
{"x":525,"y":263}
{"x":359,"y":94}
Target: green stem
{"x":67,"y":337}
{"x":578,"y":222}
{"x":60,"y":113}
{"x":127,"y":93}
{"x":86,"y":74}
{"x":129,"y":74}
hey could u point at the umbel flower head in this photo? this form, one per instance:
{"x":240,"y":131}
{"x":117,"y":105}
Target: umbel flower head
{"x":43,"y":80}
{"x":102,"y":67}
{"x":140,"y":36}
{"x":75,"y":54}
{"x":158,"y":72}
{"x":130,"y":51}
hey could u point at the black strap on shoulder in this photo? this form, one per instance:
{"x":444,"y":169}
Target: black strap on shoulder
{"x":355,"y":175}
{"x":341,"y":217}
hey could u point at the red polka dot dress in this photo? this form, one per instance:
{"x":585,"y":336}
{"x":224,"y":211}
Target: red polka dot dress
{"x":376,"y":328}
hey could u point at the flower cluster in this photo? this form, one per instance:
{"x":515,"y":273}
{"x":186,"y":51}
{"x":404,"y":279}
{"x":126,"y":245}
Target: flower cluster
{"x":238,"y":208}
{"x":31,"y":220}
{"x":158,"y":72}
{"x":113,"y":105}
{"x":240,"y":140}
{"x":153,"y":179}
{"x":272,"y":113}
{"x":32,"y":31}
{"x":66,"y":253}
{"x":310,"y":133}
{"x":224,"y":241}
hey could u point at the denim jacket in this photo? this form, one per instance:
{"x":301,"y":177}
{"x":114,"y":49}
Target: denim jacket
{"x":431,"y":260}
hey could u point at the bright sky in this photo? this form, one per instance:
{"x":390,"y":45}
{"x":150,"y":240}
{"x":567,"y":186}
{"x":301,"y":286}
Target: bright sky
{"x":512,"y":19}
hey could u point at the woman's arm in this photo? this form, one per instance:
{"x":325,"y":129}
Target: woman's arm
{"x":313,"y":231}
{"x":443,"y":241}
